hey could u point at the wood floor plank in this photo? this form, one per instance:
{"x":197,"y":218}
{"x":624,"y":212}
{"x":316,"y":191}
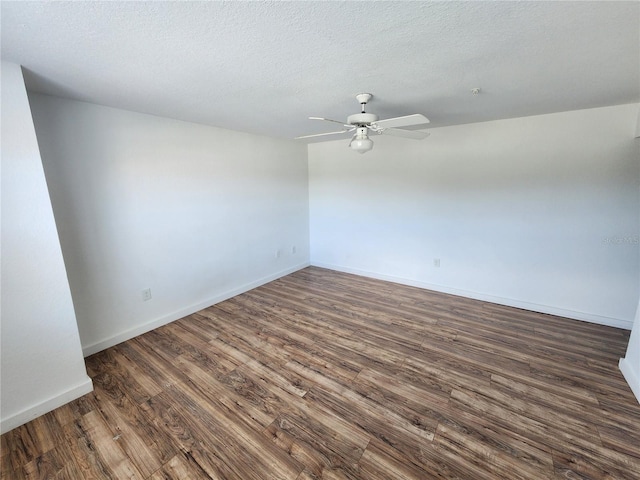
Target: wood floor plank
{"x":255,"y":414}
{"x":375,"y":463}
{"x":578,"y":394}
{"x":48,"y":465}
{"x":147,"y":385}
{"x":180,"y":467}
{"x":557,"y":403}
{"x":135,"y":353}
{"x":199,"y":350}
{"x":325,"y":375}
{"x":573,"y":444}
{"x":244,"y":339}
{"x":405,"y":437}
{"x":199,"y":325}
{"x":428,"y":458}
{"x":448,"y":371}
{"x":322,"y":452}
{"x":189,"y":433}
{"x":55,"y":461}
{"x":108,"y":448}
{"x":406,"y":392}
{"x":518,"y":448}
{"x":524,"y":407}
{"x":22,"y":446}
{"x":148,"y":447}
{"x":461,"y":442}
{"x":610,"y":386}
{"x":234,"y":449}
{"x":399,"y":320}
{"x":92,"y":456}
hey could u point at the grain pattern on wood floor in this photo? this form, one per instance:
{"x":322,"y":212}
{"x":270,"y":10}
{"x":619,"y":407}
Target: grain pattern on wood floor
{"x":323,"y":375}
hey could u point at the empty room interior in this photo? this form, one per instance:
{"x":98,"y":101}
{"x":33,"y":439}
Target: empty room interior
{"x":320,"y":240}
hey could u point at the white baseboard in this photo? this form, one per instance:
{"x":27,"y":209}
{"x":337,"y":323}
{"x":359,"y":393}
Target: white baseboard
{"x":41,"y":408}
{"x":183,"y":312}
{"x":631,"y":376}
{"x":534,"y":307}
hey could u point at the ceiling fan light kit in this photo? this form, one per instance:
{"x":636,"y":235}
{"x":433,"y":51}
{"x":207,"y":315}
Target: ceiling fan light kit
{"x":364,"y":122}
{"x":361,"y":143}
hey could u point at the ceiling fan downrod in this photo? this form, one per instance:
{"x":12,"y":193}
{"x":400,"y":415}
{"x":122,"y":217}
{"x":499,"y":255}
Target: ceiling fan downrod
{"x":363,"y":98}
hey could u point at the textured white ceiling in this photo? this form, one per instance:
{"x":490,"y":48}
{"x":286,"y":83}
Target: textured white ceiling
{"x":264,"y":67}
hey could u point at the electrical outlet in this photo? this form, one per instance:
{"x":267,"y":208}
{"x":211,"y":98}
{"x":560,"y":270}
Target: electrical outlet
{"x":293,"y":250}
{"x":278,"y":253}
{"x":146,"y":294}
{"x":436,"y":262}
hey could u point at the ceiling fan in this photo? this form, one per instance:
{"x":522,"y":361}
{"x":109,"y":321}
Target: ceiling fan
{"x":364,"y":122}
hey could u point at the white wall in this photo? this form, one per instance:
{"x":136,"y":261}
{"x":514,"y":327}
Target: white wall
{"x":538,"y":212}
{"x":630,"y":364}
{"x":41,"y":358}
{"x":195,"y":213}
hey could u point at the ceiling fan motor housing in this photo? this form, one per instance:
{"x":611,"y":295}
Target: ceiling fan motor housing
{"x":362,"y":119}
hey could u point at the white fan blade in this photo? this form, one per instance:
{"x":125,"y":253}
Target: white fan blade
{"x":321,"y":134}
{"x":329,"y":120}
{"x":415,"y":119}
{"x":398,"y":132}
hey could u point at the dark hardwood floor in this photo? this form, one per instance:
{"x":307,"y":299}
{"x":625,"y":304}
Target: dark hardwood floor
{"x":325,"y":375}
